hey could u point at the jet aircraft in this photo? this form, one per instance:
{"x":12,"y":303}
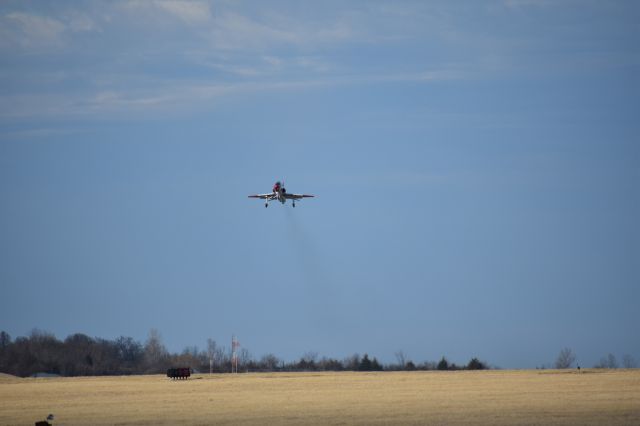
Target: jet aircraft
{"x":279,"y":193}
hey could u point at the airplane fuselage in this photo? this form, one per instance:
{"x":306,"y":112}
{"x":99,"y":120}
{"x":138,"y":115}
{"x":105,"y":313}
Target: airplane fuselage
{"x":279,"y":193}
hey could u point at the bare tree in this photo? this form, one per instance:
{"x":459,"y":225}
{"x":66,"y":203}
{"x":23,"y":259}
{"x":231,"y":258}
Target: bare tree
{"x":428,"y":365}
{"x":330,"y":364}
{"x":46,"y":349}
{"x":130,"y":354}
{"x":611,"y":361}
{"x":5,"y":339}
{"x":269,"y":362}
{"x":5,"y":343}
{"x":310,"y":357}
{"x":629,"y":362}
{"x":192,"y":351}
{"x":608,"y":361}
{"x":211,"y":351}
{"x":565,"y":359}
{"x":155,"y":353}
{"x":308,"y":361}
{"x":244,"y":358}
{"x":351,"y":362}
{"x":402,"y":359}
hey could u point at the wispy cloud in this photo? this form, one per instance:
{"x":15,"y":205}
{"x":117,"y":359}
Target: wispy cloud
{"x":35,"y":33}
{"x":157,"y":55}
{"x":176,"y":96}
{"x":189,"y":12}
{"x":81,"y":22}
{"x":234,"y":31}
{"x":29,"y":30}
{"x":192,"y":12}
{"x":231,"y":27}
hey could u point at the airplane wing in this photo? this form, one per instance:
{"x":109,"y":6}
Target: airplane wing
{"x":297,"y":196}
{"x":263,"y":196}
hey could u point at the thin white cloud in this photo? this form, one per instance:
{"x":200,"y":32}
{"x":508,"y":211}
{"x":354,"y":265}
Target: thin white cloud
{"x":33,"y":33}
{"x":176,"y":96}
{"x":113,"y":99}
{"x":184,"y":53}
{"x":314,"y":64}
{"x":29,"y":30}
{"x":150,"y":15}
{"x":233,"y":28}
{"x":191,"y":12}
{"x":81,"y":22}
{"x":235,"y":31}
{"x":272,"y":60}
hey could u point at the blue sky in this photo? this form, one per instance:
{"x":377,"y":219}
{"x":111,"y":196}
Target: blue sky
{"x":476,"y":166}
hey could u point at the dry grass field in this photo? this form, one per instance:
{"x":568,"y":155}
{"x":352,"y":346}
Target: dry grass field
{"x":545,"y":397}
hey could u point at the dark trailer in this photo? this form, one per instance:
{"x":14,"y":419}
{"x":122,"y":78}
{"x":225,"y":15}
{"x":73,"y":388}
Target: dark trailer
{"x":179,"y":373}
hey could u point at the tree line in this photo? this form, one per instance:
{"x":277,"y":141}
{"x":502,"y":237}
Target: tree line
{"x":567,"y":359}
{"x":81,"y":355}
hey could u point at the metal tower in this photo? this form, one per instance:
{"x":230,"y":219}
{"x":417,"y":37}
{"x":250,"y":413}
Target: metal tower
{"x":234,"y":354}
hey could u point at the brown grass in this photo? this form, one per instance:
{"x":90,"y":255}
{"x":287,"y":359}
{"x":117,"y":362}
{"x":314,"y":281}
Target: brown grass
{"x":592,"y":397}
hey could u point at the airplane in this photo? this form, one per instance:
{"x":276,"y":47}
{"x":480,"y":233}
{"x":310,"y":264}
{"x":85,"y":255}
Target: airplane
{"x":279,"y":193}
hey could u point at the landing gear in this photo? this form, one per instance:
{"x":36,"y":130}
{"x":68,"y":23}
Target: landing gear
{"x":294,"y":204}
{"x":266,"y":205}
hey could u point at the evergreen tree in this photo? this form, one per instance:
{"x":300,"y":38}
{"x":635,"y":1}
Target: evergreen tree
{"x":365,"y":363}
{"x":375,"y":365}
{"x":443,"y":364}
{"x":476,"y":364}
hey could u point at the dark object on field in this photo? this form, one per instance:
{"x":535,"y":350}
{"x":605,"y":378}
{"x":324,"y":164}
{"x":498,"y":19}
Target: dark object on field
{"x":179,"y":373}
{"x":45,"y":422}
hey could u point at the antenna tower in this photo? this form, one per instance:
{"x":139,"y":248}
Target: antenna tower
{"x":234,"y":354}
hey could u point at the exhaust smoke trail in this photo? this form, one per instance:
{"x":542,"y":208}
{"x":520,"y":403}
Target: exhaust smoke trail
{"x":319,"y":292}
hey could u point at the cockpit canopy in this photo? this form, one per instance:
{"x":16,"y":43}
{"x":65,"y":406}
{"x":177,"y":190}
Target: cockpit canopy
{"x":278,"y":186}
